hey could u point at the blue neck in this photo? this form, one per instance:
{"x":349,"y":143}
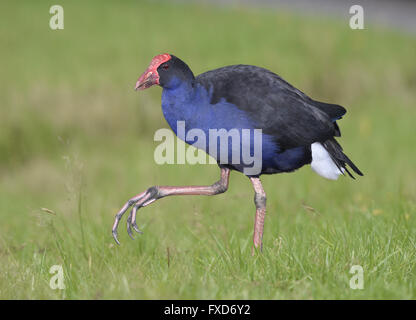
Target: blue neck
{"x":182,"y":102}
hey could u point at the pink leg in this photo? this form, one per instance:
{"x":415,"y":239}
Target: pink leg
{"x":154,"y":193}
{"x":260,"y":201}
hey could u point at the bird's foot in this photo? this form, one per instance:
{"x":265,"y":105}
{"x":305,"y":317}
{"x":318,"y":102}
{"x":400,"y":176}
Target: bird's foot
{"x":141,"y":200}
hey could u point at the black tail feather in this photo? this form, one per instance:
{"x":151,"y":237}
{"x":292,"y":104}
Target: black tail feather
{"x":340,"y":158}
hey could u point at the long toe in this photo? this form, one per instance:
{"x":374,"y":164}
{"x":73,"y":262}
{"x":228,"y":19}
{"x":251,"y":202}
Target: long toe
{"x":129,"y":228}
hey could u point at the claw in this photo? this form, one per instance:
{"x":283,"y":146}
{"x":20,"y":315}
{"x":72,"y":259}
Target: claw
{"x":136,"y":228}
{"x":115,"y":237}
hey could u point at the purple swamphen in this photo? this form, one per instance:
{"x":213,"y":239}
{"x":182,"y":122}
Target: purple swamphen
{"x":295,"y":129}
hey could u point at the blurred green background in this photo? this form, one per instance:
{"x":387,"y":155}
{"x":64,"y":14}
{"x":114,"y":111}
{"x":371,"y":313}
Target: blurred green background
{"x":77,"y":140}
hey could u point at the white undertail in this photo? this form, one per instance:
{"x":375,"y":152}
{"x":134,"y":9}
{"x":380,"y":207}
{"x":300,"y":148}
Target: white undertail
{"x":322,"y":163}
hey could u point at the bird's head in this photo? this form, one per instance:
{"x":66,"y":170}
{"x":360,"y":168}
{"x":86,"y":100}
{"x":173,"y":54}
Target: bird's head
{"x":165,"y":70}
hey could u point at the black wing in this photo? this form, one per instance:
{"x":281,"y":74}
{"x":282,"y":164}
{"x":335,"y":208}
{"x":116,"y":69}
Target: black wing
{"x":274,"y":105}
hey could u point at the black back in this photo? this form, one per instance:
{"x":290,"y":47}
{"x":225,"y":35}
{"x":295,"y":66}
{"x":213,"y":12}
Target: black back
{"x":276,"y":107}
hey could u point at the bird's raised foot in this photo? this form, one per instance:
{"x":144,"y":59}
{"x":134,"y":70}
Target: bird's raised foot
{"x":137,"y":202}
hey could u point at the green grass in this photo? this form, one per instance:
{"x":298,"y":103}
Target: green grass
{"x":76,"y":139}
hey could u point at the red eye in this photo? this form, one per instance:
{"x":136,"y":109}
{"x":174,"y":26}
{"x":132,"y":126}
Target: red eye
{"x":165,"y":66}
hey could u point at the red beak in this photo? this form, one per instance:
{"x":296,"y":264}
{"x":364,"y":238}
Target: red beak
{"x":147,"y":79}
